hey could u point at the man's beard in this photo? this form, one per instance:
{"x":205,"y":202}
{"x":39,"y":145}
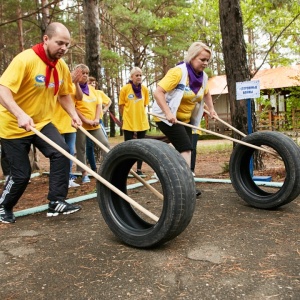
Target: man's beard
{"x":55,"y":56}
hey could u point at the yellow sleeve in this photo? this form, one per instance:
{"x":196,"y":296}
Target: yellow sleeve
{"x":12,"y":79}
{"x":171,"y":79}
{"x":104,"y":97}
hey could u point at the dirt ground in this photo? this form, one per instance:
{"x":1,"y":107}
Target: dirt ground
{"x":228,"y":251}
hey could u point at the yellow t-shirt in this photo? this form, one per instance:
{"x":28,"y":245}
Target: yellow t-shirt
{"x":88,"y":105}
{"x":134,"y":114}
{"x":189,"y":99}
{"x":62,"y":120}
{"x":104,"y":99}
{"x":25,"y":77}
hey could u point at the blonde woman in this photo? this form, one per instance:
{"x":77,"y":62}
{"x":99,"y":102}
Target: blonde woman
{"x":180,"y":95}
{"x":133,"y":99}
{"x":89,"y":110}
{"x":106,"y":103}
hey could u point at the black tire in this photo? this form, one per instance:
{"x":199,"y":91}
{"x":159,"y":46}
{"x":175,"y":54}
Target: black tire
{"x":241,"y":177}
{"x":178,"y":189}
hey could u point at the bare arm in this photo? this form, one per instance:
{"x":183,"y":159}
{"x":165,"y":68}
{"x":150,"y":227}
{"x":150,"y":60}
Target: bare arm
{"x":210,"y":105}
{"x":160,"y":97}
{"x":106,"y":107}
{"x":121,"y":110}
{"x":97,"y":114}
{"x":76,"y":76}
{"x":68,"y":105}
{"x":78,"y":92}
{"x":84,"y":119}
{"x":7,"y":100}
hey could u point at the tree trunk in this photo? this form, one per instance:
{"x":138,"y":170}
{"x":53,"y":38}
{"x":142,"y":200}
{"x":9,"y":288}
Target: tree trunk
{"x":235,"y":58}
{"x":20,"y":26}
{"x":92,"y":34}
{"x":45,"y":17}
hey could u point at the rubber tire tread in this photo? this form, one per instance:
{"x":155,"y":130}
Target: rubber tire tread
{"x":241,"y":179}
{"x":178,"y":188}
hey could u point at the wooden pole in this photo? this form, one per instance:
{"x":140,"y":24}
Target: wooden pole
{"x":227,"y":124}
{"x":243,"y":134}
{"x":97,"y":176}
{"x":146,"y":184}
{"x":217,"y":134}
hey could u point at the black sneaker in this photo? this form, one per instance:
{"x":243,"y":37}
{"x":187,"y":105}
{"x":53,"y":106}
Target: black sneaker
{"x":141,"y":174}
{"x":6,"y":215}
{"x":198,"y":193}
{"x":61,"y":207}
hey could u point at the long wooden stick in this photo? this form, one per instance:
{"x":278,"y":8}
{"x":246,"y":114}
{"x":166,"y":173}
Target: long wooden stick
{"x":97,"y":176}
{"x":227,"y":124}
{"x":242,"y":134}
{"x":215,"y":133}
{"x":146,"y":184}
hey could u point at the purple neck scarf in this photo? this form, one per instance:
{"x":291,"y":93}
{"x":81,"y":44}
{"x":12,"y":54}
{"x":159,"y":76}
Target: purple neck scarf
{"x":85,"y":88}
{"x":137,"y":89}
{"x":195,"y":80}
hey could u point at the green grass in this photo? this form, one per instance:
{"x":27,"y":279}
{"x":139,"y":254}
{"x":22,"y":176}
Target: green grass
{"x":225,"y":167}
{"x":205,"y":137}
{"x":214,"y":148}
{"x":115,"y":140}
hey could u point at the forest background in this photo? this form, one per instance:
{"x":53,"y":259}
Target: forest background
{"x":113,"y":36}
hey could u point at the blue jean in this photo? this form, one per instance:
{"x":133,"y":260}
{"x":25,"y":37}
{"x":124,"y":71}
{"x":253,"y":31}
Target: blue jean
{"x":70,"y":139}
{"x":90,"y":154}
{"x":81,"y":144}
{"x":89,"y":149}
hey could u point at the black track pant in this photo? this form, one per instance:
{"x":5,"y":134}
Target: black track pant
{"x":4,"y":163}
{"x":16,"y":152}
{"x":129,"y":135}
{"x":179,"y":135}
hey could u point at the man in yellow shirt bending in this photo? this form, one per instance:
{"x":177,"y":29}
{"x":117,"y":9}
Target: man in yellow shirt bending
{"x":29,"y":89}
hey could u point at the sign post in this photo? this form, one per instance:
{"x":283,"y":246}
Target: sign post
{"x":247,"y":90}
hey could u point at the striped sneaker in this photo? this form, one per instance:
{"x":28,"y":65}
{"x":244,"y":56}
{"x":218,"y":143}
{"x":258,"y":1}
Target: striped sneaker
{"x":61,"y":207}
{"x":6,"y":215}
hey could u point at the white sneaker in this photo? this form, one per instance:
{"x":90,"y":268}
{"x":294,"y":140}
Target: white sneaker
{"x":193,"y":174}
{"x":73,"y":184}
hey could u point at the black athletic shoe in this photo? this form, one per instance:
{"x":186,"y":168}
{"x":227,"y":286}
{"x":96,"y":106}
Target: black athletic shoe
{"x":141,"y":174}
{"x":61,"y":207}
{"x":198,"y":193}
{"x":6,"y":215}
